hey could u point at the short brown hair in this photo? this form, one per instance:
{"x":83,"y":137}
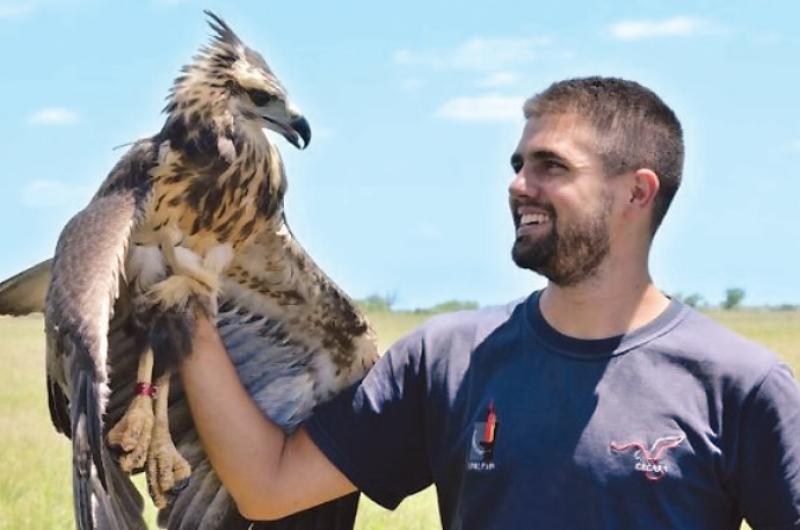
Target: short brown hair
{"x":635,"y":129}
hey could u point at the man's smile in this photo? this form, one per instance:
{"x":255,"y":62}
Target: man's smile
{"x":532,"y":221}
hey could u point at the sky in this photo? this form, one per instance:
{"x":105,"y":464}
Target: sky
{"x":415,"y":108}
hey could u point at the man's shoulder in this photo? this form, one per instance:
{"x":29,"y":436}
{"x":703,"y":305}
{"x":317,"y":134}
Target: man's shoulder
{"x":709,"y":346}
{"x":469,"y":325}
{"x":455,"y":335}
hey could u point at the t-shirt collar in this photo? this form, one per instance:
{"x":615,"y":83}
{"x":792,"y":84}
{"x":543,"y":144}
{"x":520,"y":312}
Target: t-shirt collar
{"x":605,"y":347}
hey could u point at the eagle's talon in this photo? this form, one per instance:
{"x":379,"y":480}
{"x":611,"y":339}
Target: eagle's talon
{"x":177,"y":292}
{"x":172,"y":494}
{"x":132,"y":434}
{"x":172,"y":294}
{"x":167,"y":471}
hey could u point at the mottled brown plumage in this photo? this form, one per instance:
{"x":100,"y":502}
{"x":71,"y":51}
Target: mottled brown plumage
{"x":190,"y":217}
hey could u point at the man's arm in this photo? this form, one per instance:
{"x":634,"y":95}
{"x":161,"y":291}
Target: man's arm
{"x":268,"y":474}
{"x":767,"y":471}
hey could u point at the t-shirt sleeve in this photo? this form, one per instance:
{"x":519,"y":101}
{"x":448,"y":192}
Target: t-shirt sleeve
{"x":769,"y":478}
{"x":374,"y":433}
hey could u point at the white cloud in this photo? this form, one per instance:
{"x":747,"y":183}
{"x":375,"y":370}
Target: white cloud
{"x":478,"y":54}
{"x":15,"y":10}
{"x":630,"y":30}
{"x":499,"y":79}
{"x":489,"y":108}
{"x":47,"y":193}
{"x":795,"y":146}
{"x":53,"y":116}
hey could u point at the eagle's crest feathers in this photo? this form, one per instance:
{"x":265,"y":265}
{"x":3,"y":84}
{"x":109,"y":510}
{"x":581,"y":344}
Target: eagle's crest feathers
{"x":224,"y":32}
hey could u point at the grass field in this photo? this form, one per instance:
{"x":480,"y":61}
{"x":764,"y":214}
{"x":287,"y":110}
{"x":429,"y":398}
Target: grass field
{"x":35,"y":483}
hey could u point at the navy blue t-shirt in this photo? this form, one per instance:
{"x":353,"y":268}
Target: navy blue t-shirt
{"x":680,"y":424}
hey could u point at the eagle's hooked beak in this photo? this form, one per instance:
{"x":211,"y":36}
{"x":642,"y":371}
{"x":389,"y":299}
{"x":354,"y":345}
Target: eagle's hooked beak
{"x":299,"y":129}
{"x":286,"y":119}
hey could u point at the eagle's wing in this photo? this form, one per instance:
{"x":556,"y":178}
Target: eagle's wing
{"x":24,"y":293}
{"x":85,"y":283}
{"x":296,"y":340}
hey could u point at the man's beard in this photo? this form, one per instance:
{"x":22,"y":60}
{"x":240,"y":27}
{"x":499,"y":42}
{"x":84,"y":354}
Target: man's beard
{"x":570,"y":256}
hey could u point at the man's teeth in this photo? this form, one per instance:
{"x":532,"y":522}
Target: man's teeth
{"x":533,"y":218}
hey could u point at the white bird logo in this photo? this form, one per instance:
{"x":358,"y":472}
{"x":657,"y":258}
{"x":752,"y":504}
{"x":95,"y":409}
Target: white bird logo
{"x":649,"y":460}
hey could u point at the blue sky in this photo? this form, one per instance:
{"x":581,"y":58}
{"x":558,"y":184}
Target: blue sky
{"x":414,"y":108}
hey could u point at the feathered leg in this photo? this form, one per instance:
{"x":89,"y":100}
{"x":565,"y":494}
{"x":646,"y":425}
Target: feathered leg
{"x":194,"y":278}
{"x":167,"y":471}
{"x":132,"y":433}
{"x":192,"y":286}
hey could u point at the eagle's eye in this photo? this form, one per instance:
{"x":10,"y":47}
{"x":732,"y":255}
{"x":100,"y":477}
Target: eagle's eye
{"x":259,"y":97}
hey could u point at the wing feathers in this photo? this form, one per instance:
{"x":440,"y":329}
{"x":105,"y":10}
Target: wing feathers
{"x":203,"y":496}
{"x":87,"y":443}
{"x":222,"y":513}
{"x":171,"y":516}
{"x":25,"y":292}
{"x":59,"y":408}
{"x":86,"y":273}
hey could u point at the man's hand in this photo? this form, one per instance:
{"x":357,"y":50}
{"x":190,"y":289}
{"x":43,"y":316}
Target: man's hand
{"x":268,"y":474}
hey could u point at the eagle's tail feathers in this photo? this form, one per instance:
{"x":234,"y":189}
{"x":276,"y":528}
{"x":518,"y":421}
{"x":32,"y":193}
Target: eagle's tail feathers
{"x":125,"y":506}
{"x":105,"y":498}
{"x":87,"y":465}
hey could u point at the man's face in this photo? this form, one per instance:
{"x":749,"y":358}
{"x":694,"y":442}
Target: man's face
{"x":560,"y":200}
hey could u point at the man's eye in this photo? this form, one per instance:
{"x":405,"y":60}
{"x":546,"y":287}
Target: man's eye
{"x":259,"y":97}
{"x":553,"y":166}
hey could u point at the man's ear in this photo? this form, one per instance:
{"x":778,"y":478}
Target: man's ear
{"x":644,"y":187}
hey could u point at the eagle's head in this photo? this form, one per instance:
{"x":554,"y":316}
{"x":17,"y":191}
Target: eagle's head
{"x":229,"y":81}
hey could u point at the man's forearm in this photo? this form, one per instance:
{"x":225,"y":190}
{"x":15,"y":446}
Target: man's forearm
{"x":268,"y":474}
{"x":243,"y":446}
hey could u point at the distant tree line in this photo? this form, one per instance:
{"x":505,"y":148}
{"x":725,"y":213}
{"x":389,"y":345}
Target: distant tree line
{"x":377,"y":303}
{"x":732,"y":300}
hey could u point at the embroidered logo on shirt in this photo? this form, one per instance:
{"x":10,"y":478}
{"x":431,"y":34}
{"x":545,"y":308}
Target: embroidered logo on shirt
{"x":649,"y":461}
{"x":482,"y":442}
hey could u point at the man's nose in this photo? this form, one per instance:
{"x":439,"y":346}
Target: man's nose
{"x":520,"y":186}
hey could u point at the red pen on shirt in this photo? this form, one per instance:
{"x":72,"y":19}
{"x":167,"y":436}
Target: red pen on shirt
{"x":491,"y":424}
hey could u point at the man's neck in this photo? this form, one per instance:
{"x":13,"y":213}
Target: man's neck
{"x":603,"y":306}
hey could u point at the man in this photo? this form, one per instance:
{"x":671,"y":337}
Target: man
{"x":595,"y":403}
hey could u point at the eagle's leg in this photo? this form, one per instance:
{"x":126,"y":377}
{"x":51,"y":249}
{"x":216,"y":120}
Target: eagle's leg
{"x":192,"y":286}
{"x":167,"y":471}
{"x":132,"y":432}
{"x":194,"y":277}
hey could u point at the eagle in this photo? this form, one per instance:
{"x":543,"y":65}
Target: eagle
{"x":189,"y":220}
